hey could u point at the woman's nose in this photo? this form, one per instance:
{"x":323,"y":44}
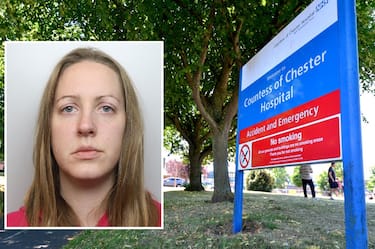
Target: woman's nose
{"x":86,"y":125}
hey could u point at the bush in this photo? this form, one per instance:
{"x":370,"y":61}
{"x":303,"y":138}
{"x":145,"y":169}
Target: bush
{"x":371,"y":182}
{"x":259,"y":180}
{"x":296,"y":177}
{"x":322,"y":182}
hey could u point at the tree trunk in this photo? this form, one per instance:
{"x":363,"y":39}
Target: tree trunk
{"x":222,"y":191}
{"x":195,"y":170}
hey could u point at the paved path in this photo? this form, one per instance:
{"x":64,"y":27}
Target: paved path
{"x":35,"y":239}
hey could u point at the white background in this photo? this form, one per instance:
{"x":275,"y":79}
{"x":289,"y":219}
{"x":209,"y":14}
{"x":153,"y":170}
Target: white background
{"x":368,"y":132}
{"x":27,"y":69}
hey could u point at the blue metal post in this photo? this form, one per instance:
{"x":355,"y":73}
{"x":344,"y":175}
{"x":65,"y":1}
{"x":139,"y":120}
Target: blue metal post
{"x":238,"y":201}
{"x":238,"y":185}
{"x":355,"y":206}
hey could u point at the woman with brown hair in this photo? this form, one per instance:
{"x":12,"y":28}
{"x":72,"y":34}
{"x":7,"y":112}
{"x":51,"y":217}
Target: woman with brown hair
{"x":88,"y":152}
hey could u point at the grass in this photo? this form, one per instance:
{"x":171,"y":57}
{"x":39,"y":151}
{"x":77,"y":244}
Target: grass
{"x":270,"y":221}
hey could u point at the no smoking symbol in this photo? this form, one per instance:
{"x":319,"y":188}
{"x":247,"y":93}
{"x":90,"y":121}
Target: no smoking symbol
{"x":244,"y":156}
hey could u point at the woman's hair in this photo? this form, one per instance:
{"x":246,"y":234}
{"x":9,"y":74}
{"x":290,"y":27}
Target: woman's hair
{"x":128,"y":203}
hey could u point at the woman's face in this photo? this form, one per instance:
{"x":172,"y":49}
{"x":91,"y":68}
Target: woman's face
{"x":88,"y":121}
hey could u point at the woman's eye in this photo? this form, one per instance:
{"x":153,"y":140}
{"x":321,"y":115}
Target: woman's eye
{"x":68,"y":109}
{"x":107,"y":108}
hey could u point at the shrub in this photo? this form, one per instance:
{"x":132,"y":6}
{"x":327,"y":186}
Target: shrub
{"x":323,"y":181}
{"x":259,"y":180}
{"x":296,"y":177}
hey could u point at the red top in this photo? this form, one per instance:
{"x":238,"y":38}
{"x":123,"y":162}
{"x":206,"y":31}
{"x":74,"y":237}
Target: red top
{"x":18,"y":218}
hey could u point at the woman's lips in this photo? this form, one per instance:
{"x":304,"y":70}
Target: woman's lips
{"x":86,"y":153}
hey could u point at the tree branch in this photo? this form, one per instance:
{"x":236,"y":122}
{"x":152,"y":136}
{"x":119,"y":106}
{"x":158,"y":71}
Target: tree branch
{"x":231,"y":108}
{"x":205,"y":152}
{"x":236,"y":43}
{"x":220,"y":90}
{"x":195,"y":83}
{"x":185,"y":64}
{"x":178,"y":125}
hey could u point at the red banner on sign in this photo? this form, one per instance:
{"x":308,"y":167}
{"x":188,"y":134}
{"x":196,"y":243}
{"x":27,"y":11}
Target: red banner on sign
{"x":317,"y":109}
{"x":299,"y":145}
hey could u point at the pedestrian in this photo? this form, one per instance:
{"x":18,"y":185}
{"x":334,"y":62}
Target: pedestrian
{"x":305,"y":172}
{"x":332,"y":180}
{"x":88,"y":153}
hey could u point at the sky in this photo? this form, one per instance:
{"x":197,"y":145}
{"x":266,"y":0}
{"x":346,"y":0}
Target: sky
{"x":367,"y":102}
{"x":368,"y":132}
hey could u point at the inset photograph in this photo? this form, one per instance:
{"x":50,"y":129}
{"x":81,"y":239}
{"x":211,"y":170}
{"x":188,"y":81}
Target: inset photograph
{"x":83,"y":135}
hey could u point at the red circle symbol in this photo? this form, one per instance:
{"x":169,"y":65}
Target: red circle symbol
{"x":244,"y":156}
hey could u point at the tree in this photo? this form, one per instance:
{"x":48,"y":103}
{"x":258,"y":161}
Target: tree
{"x":197,"y":147}
{"x":366,"y":40}
{"x":176,"y":168}
{"x":339,"y":171}
{"x":115,"y":20}
{"x":296,"y":177}
{"x":371,"y":182}
{"x":182,"y":117}
{"x":212,"y":40}
{"x":204,"y":38}
{"x":323,"y":181}
{"x":280,"y":177}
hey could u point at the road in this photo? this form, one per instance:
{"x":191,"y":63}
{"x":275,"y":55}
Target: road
{"x":34,"y":239}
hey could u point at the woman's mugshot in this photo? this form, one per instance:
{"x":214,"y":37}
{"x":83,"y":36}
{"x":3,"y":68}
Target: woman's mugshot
{"x":89,"y":150}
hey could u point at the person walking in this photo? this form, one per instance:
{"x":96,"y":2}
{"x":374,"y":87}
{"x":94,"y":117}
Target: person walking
{"x":305,"y":172}
{"x":333,"y":185}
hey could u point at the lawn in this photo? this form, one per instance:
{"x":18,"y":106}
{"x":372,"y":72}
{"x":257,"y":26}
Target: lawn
{"x":270,"y":221}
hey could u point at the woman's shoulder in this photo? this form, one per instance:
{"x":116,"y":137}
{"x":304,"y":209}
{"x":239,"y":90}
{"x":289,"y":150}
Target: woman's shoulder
{"x":17,"y":218}
{"x":156,"y":204}
{"x":158,"y":207}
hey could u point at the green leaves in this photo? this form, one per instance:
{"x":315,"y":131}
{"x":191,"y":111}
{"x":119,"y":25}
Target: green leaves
{"x":366,"y":43}
{"x":370,"y":185}
{"x":259,"y":180}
